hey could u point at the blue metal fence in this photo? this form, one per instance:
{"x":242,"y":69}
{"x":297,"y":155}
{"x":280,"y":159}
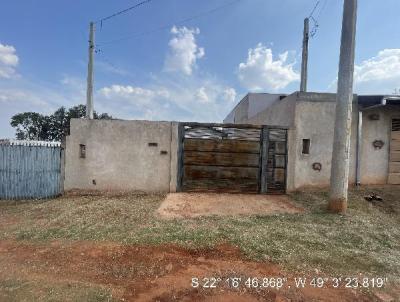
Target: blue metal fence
{"x":30,"y":171}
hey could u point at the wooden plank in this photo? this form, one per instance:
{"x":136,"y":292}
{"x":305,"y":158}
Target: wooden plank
{"x":394,"y":179}
{"x":395,"y":156}
{"x":394,"y":167}
{"x":221,"y":185}
{"x":395,"y":145}
{"x":221,"y":159}
{"x":233,"y":146}
{"x":181,"y":134}
{"x":396,"y":135}
{"x":264,"y":159}
{"x":211,"y":172}
{"x":279,"y":175}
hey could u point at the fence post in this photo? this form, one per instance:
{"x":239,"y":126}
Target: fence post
{"x":264,"y":158}
{"x":181,"y":136}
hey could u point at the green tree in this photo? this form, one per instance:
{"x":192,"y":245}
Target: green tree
{"x":36,"y":126}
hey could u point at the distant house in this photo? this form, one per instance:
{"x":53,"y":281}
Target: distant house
{"x":375,"y":139}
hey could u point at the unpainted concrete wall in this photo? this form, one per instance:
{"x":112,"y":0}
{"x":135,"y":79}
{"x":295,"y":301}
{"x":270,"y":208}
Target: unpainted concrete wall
{"x":279,"y":113}
{"x":249,"y":106}
{"x":375,"y":162}
{"x":311,"y":116}
{"x":258,"y":102}
{"x":118,"y":155}
{"x":315,"y":121}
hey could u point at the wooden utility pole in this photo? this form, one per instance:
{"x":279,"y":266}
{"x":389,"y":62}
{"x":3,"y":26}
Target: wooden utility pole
{"x":304,"y":61}
{"x":89,"y":91}
{"x":344,"y":103}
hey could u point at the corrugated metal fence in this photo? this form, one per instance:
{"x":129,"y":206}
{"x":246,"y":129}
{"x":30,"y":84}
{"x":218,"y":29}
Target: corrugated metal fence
{"x":30,"y":170}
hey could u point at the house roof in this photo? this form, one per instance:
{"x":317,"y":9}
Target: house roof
{"x":372,"y":100}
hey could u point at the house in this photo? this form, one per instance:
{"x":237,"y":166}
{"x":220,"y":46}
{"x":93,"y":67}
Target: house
{"x":309,"y":116}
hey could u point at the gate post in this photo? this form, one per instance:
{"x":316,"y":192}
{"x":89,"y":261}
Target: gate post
{"x":264,"y":159}
{"x":181,"y":136}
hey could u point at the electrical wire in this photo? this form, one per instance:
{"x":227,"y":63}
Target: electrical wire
{"x":168,"y":26}
{"x":123,"y":11}
{"x":315,"y":20}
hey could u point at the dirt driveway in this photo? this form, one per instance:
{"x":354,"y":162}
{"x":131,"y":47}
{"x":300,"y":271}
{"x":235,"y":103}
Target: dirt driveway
{"x":189,"y":205}
{"x":143,"y":273}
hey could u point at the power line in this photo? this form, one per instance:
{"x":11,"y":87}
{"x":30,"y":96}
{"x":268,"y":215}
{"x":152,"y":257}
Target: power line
{"x":123,"y":11}
{"x":167,"y":26}
{"x":315,"y":20}
{"x":313,"y":10}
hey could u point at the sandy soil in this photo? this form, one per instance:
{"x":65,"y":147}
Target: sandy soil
{"x":189,"y":205}
{"x":143,"y":273}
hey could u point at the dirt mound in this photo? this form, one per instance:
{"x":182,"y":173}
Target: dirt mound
{"x":154,"y":273}
{"x":189,"y":205}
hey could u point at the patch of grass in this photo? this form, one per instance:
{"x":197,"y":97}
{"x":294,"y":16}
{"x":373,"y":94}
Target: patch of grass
{"x":19,"y":290}
{"x":366,"y":240}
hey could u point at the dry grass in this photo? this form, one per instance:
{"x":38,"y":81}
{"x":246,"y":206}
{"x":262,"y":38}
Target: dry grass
{"x":366,"y":241}
{"x":17,"y":290}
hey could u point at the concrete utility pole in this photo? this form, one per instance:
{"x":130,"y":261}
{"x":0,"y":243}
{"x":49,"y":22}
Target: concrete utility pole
{"x":89,"y":91}
{"x":304,"y":61}
{"x":344,"y":103}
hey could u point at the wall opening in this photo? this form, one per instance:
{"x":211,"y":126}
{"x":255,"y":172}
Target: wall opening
{"x":306,"y":146}
{"x":82,"y":151}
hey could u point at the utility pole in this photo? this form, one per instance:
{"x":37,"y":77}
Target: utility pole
{"x":89,"y":91}
{"x":304,"y":61}
{"x":344,"y":102}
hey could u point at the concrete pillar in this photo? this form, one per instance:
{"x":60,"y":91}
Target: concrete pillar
{"x":304,"y":61}
{"x":344,"y":99}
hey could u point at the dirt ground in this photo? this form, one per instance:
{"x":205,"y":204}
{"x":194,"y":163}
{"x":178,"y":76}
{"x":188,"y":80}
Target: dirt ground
{"x":190,"y":205}
{"x":144,"y":273}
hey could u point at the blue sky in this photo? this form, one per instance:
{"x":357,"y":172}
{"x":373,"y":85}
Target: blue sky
{"x":189,"y":71}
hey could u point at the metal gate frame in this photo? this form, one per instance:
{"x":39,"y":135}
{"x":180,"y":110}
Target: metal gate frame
{"x":265,"y":175}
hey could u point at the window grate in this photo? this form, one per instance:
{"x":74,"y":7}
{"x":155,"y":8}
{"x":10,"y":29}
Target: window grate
{"x":396,"y":125}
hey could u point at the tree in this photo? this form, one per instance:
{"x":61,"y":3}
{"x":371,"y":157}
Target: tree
{"x":36,"y":126}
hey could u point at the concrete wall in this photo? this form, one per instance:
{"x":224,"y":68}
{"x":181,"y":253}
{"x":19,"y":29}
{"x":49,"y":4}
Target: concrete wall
{"x":375,"y":162}
{"x":258,"y":102}
{"x":249,"y":106}
{"x":311,"y":116}
{"x":118,"y":155}
{"x":279,"y":113}
{"x":315,"y":121}
{"x":240,"y":112}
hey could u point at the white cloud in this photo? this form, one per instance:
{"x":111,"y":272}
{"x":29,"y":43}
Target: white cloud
{"x":262,"y":72}
{"x":13,"y":96}
{"x":379,"y":74}
{"x":8,"y":61}
{"x":183,"y":50}
{"x":196,"y":99}
{"x":229,"y":95}
{"x":202,"y":96}
{"x":135,"y":95}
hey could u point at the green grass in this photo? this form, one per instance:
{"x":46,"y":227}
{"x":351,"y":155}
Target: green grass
{"x":28,"y":291}
{"x":366,"y":240}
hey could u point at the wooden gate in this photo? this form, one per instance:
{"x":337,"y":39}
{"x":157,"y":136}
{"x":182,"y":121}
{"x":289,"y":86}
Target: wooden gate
{"x":394,"y":162}
{"x":232,"y":158}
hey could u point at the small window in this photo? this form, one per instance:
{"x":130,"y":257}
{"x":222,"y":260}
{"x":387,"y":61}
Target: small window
{"x":306,"y":146}
{"x":82,"y":151}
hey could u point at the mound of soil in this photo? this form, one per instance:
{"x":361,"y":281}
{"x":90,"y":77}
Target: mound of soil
{"x":189,"y":205}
